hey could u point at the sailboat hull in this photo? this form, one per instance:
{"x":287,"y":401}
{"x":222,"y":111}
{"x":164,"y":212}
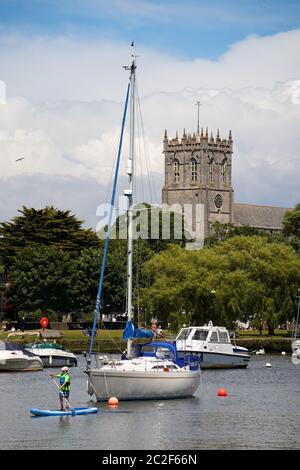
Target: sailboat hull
{"x":142,"y":385}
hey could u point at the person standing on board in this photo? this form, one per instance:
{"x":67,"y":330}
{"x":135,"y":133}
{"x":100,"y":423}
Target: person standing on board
{"x":64,"y":387}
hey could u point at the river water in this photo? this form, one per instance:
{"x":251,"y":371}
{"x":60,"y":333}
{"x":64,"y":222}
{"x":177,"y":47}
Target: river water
{"x":261,"y":411}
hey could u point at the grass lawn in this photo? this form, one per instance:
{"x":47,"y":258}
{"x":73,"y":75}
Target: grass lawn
{"x":73,"y":335}
{"x":101,"y":334}
{"x":255,"y":333}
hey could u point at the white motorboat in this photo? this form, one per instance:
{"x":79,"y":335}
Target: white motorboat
{"x":296,"y":348}
{"x":52,"y":354}
{"x":15,"y":358}
{"x":213,"y":345}
{"x":152,"y":370}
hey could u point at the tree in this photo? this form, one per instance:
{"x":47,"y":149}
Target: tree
{"x":1,"y":277}
{"x":44,"y":227}
{"x":291,"y":222}
{"x":291,"y":227}
{"x":221,"y":232}
{"x":87,"y":274}
{"x":41,"y":278}
{"x":237,"y":278}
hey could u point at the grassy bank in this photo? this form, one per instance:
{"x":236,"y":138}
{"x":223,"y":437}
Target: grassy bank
{"x":110,"y":341}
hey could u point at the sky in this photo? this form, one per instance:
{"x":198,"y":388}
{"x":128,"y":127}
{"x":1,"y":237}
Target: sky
{"x":62,"y":90}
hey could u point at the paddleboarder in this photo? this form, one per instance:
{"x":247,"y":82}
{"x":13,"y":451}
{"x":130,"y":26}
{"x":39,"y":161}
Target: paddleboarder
{"x":64,"y":388}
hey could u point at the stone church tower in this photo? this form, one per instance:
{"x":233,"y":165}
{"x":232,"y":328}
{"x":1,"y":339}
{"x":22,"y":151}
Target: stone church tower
{"x":198,"y":170}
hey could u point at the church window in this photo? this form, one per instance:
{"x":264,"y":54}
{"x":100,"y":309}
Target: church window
{"x":224,"y":165}
{"x":194,"y":169}
{"x":176,"y":171}
{"x":211,"y":171}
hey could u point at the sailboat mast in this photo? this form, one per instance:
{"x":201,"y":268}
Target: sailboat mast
{"x":129,"y":193}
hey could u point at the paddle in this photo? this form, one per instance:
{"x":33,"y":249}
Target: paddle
{"x":64,"y":398}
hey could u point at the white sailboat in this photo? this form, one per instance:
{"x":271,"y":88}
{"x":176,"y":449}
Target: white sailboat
{"x":152,"y":370}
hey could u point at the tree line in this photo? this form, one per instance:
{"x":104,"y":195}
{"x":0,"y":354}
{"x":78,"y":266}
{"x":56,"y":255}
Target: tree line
{"x":53,"y":266}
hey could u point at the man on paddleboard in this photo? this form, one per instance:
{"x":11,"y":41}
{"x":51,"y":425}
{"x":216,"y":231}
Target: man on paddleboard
{"x":64,"y":388}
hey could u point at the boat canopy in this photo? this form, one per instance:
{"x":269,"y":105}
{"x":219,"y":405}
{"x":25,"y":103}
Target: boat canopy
{"x":167,"y":350}
{"x":132,"y":332}
{"x":44,"y":345}
{"x":158,"y":349}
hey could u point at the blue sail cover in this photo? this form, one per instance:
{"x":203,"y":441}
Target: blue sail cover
{"x":132,"y":332}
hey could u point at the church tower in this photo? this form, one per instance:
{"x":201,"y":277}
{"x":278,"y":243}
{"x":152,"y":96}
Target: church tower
{"x":198,"y":170}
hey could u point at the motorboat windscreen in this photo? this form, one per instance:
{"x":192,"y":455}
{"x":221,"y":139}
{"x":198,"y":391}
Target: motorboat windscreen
{"x":184,"y":334}
{"x":15,"y":347}
{"x":200,"y":335}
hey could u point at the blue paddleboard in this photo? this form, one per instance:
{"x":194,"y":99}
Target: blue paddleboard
{"x":72,"y":412}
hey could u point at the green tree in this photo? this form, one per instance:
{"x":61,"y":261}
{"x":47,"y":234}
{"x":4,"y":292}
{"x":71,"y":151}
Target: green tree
{"x":87,"y":274}
{"x":237,"y":278}
{"x":291,"y":227}
{"x":291,"y":222}
{"x":1,"y":276}
{"x":41,"y":278}
{"x":221,"y":232}
{"x":44,"y":227}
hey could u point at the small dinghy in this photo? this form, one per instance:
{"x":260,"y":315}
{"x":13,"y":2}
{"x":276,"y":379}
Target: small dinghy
{"x":72,"y":412}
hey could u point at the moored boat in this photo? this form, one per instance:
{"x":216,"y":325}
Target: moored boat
{"x":155,"y":371}
{"x":15,"y":358}
{"x":52,"y":354}
{"x":296,"y":335}
{"x":152,"y":370}
{"x":213,"y":345}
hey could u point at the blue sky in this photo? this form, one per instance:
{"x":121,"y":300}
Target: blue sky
{"x":186,"y":29}
{"x":61,"y":66}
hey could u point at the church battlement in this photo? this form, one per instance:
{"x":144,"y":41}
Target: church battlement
{"x":198,"y":172}
{"x":197,"y":141}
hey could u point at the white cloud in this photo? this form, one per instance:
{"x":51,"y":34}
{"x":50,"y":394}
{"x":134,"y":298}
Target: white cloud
{"x":64,"y":108}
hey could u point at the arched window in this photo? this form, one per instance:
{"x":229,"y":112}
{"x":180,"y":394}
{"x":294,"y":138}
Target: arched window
{"x":211,"y":170}
{"x":194,"y":169}
{"x":223,"y":170}
{"x":176,"y":171}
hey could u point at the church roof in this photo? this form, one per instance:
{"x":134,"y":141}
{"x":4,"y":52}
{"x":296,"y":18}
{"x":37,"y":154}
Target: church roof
{"x":263,"y":217}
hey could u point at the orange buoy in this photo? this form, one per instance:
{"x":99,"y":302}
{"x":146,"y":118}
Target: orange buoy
{"x":113,"y":401}
{"x":222,"y":392}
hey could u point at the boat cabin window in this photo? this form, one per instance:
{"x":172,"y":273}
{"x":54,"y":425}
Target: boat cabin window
{"x":200,"y":335}
{"x":164,"y":353}
{"x":223,"y":337}
{"x":148,"y":349}
{"x":214,"y":337}
{"x":157,"y":351}
{"x":184,"y":334}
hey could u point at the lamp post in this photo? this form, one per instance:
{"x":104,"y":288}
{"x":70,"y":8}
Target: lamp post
{"x":212,"y":304}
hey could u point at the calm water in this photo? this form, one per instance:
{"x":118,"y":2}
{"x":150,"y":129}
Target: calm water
{"x":262,"y":410}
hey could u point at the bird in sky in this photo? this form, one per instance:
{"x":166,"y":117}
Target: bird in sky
{"x":19,"y":159}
